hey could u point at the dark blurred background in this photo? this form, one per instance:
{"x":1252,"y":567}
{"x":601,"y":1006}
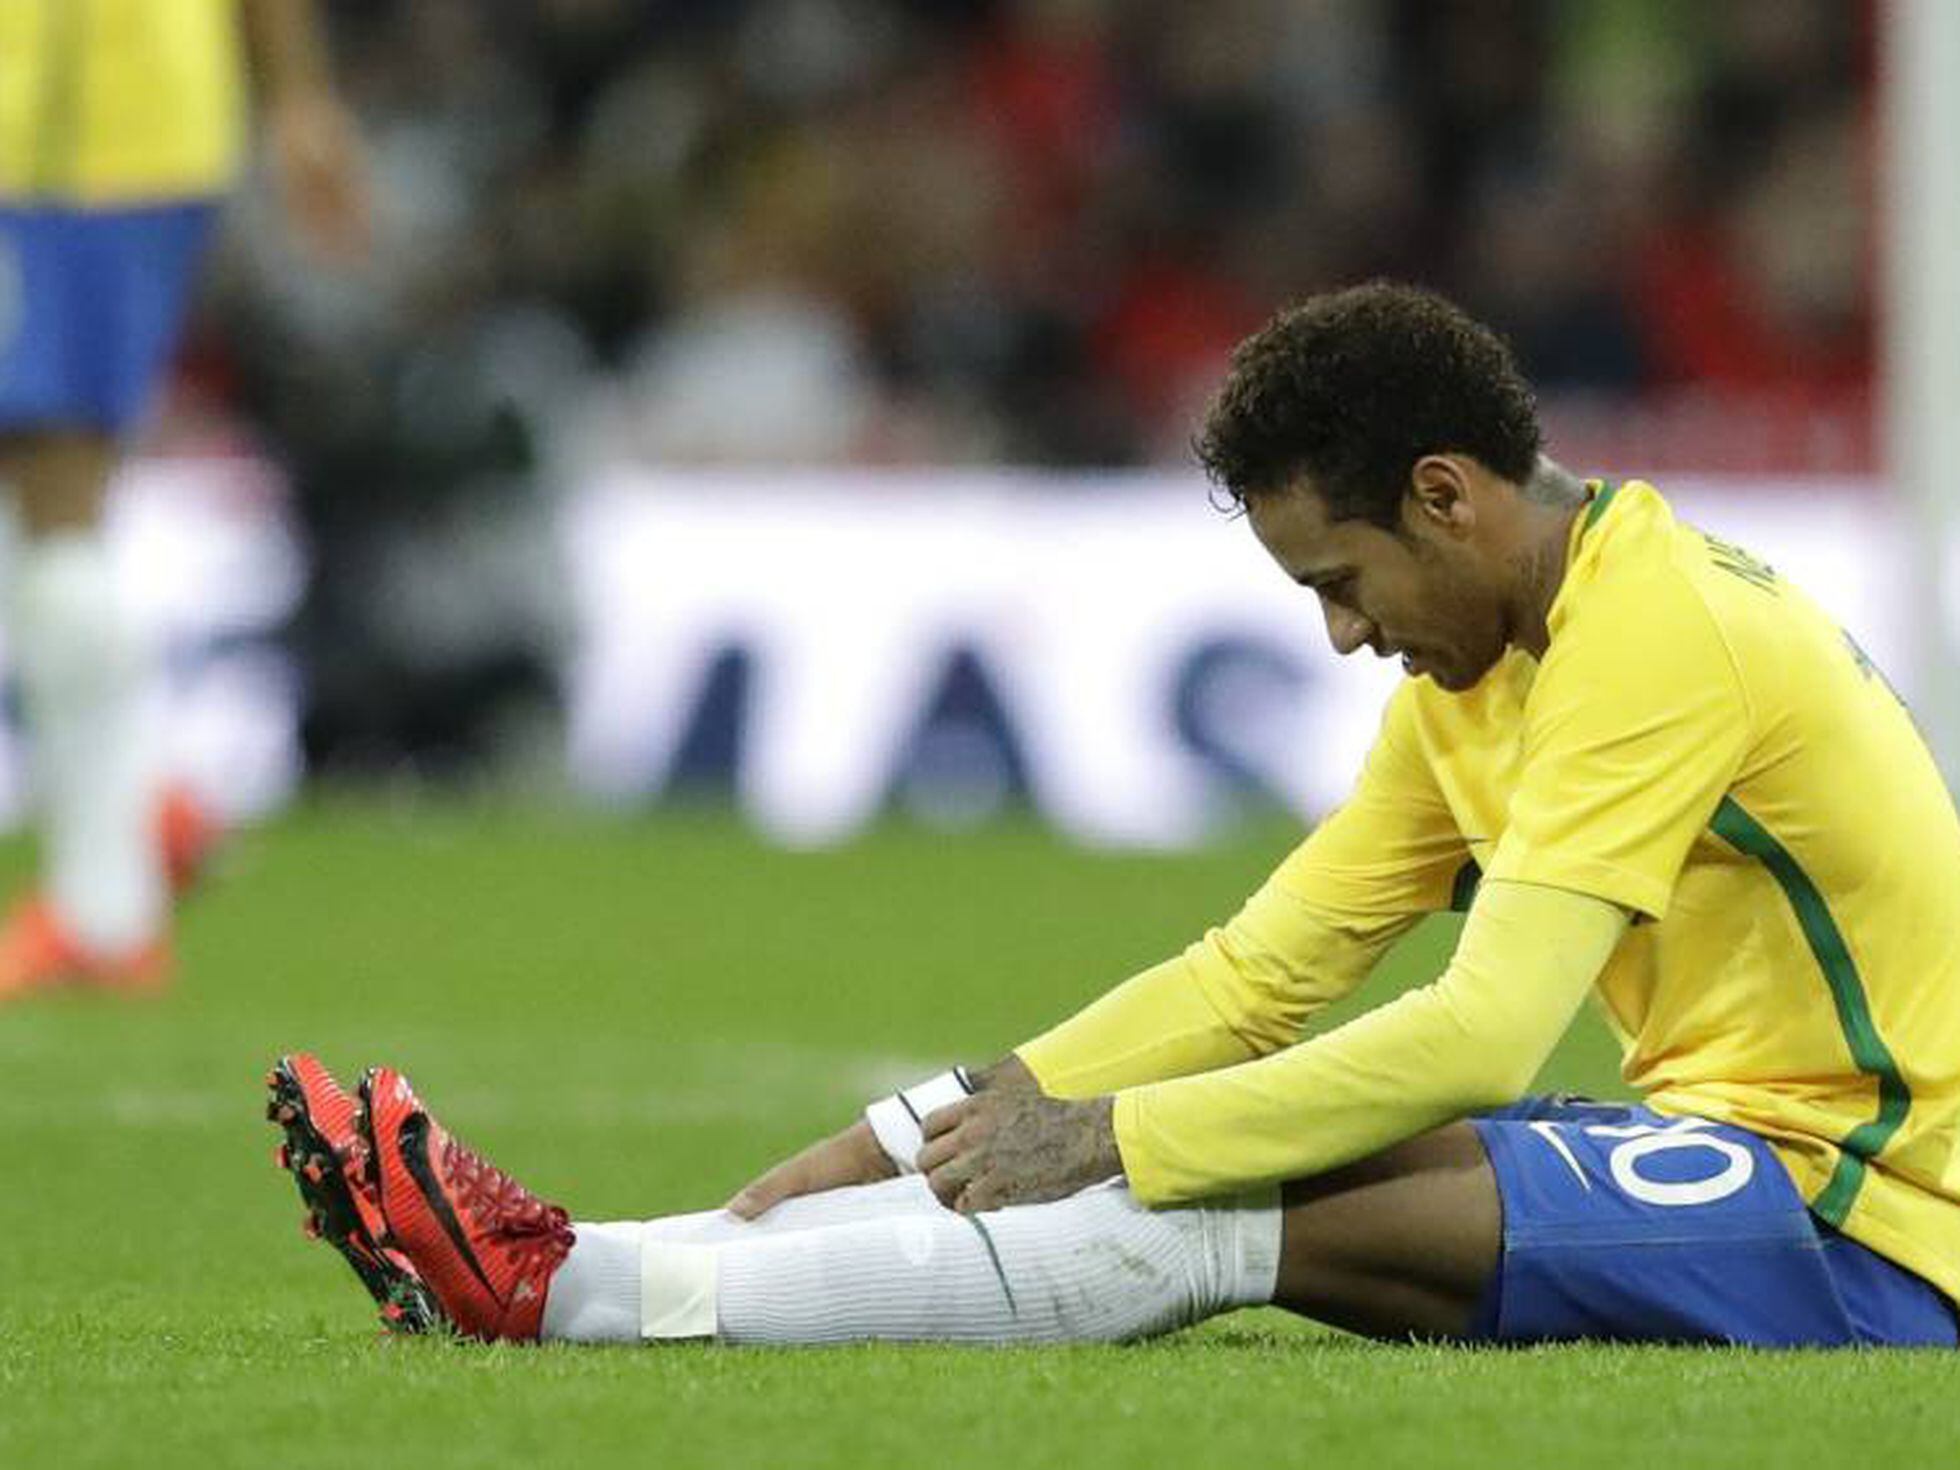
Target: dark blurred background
{"x":903,"y":232}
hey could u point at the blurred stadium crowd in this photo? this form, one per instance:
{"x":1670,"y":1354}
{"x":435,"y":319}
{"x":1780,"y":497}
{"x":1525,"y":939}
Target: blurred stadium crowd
{"x":1022,"y":231}
{"x":952,"y":230}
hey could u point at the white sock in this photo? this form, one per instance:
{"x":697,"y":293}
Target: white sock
{"x":82,"y":670}
{"x":595,"y":1295}
{"x":1097,"y":1266}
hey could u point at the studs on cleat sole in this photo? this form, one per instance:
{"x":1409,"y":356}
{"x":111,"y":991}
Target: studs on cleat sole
{"x":330,"y":1177}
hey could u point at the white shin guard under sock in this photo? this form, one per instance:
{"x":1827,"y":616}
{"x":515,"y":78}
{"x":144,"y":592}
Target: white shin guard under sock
{"x":83,"y":677}
{"x":1097,"y":1266}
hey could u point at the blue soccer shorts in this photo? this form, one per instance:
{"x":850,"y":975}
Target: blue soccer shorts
{"x":1626,"y":1225}
{"x":91,"y":303}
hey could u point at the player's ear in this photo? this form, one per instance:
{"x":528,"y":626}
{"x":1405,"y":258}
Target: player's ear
{"x":1439,"y":495}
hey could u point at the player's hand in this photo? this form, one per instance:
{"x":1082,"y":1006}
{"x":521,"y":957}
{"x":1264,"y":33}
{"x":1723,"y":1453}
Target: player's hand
{"x":850,"y":1157}
{"x":320,"y":169}
{"x":1013,"y":1147}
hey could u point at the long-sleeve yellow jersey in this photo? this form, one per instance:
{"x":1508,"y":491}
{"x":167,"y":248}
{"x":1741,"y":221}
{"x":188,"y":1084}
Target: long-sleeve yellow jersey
{"x":1701,"y":748}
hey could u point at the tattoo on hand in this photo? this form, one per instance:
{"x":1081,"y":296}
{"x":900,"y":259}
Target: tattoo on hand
{"x":1020,"y":1147}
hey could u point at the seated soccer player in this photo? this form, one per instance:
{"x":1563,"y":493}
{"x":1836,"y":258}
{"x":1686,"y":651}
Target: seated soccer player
{"x":1669,"y":780}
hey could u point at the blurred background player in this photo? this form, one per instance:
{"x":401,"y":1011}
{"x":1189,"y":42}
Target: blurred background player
{"x":121,"y":129}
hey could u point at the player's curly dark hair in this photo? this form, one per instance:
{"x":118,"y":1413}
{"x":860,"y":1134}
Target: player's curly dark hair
{"x":1351,"y":388}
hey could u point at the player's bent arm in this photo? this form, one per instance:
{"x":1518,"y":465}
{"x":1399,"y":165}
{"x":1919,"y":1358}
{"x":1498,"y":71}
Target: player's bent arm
{"x":1472,"y":1040}
{"x":1385,"y":857}
{"x":1242,"y":991}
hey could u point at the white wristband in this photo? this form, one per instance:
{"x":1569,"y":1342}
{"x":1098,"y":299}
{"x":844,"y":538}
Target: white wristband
{"x":898,"y":1121}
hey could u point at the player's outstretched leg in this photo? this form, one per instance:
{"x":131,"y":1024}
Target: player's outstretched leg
{"x":327,"y":1156}
{"x":1098,"y":1266}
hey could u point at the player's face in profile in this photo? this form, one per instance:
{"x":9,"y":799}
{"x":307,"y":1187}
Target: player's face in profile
{"x":1415,"y":593}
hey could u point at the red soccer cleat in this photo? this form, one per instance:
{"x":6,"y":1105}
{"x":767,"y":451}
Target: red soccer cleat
{"x":486,"y":1246}
{"x":327,"y":1156}
{"x":38,"y":953}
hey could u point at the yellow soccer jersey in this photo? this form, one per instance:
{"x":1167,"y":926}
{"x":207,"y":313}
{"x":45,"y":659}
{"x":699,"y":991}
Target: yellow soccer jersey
{"x":1706,"y":747}
{"x":118,"y":102}
{"x":1703,"y":747}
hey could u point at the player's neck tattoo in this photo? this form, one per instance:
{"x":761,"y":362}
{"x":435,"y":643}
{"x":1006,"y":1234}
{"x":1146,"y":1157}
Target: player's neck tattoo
{"x":1539,"y":566}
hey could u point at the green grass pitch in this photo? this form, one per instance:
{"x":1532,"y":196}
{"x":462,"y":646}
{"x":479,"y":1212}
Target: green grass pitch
{"x":632,"y":1016}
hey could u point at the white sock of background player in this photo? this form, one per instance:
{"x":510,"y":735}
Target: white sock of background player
{"x":885,"y":1261}
{"x":83,"y":679}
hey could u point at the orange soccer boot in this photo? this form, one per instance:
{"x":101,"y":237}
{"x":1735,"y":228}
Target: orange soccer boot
{"x":486,"y":1246}
{"x":38,"y":953}
{"x":187,"y":834}
{"x":327,"y":1157}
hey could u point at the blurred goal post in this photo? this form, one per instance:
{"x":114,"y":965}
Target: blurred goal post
{"x":1920,"y":233}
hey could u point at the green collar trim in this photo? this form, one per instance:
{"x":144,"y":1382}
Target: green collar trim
{"x":1602,"y":497}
